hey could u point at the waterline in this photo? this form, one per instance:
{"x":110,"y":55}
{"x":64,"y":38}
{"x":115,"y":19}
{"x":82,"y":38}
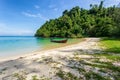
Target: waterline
{"x":13,"y":46}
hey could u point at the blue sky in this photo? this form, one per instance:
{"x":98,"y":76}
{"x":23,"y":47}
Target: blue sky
{"x":24,"y":17}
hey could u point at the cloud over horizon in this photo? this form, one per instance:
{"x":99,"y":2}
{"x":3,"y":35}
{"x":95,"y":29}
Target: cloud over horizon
{"x":8,"y":30}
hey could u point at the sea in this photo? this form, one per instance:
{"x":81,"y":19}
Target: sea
{"x":18,"y":45}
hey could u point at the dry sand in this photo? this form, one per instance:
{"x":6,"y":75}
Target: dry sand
{"x":45,"y":63}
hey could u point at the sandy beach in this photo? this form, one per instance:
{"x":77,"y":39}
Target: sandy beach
{"x":47,"y":63}
{"x":42,"y":50}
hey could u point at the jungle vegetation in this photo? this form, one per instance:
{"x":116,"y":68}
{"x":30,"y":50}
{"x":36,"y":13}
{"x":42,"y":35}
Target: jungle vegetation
{"x":98,"y":21}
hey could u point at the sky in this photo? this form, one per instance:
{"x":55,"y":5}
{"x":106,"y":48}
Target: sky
{"x":24,"y":17}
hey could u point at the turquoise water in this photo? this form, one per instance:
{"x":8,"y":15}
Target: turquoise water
{"x":12,"y":46}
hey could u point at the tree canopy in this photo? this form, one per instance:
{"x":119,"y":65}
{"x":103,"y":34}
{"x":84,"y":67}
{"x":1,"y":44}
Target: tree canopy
{"x":98,"y":21}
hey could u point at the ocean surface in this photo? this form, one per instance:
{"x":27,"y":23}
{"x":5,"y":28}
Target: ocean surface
{"x":14,"y":45}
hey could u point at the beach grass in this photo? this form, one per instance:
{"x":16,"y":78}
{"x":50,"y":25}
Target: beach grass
{"x":111,"y":57}
{"x":111,"y":44}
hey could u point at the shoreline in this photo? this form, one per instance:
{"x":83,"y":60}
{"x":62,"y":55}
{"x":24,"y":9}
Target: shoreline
{"x":48,"y":62}
{"x":39,"y":51}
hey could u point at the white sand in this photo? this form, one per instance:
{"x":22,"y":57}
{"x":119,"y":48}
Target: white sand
{"x":42,"y":62}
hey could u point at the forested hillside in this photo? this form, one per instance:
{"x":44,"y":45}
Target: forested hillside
{"x":98,"y":21}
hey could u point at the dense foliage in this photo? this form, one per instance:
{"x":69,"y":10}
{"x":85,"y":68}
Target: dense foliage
{"x":98,"y":21}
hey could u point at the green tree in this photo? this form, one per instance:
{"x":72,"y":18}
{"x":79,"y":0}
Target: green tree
{"x":79,"y":22}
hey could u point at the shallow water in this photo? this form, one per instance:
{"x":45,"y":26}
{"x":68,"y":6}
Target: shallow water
{"x":12,"y":46}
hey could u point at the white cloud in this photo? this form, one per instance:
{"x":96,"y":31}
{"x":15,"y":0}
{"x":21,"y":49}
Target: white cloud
{"x":108,"y":3}
{"x":2,"y":26}
{"x":111,"y":2}
{"x":53,"y":7}
{"x":35,"y":15}
{"x":8,"y":30}
{"x":37,"y":7}
{"x":29,"y":15}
